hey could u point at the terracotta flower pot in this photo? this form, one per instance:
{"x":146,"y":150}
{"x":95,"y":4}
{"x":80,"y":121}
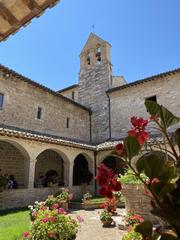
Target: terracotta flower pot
{"x":107,"y":223}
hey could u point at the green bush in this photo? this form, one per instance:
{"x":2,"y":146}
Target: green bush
{"x":132,"y":235}
{"x":130,"y":178}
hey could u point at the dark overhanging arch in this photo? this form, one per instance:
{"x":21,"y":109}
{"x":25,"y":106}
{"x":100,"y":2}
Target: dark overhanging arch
{"x":116,"y":164}
{"x":81,"y":173}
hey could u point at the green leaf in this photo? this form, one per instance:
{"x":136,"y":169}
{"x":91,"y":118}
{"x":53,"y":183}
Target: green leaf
{"x":151,"y":164}
{"x":152,"y":107}
{"x":167,"y":118}
{"x":132,"y":147}
{"x":161,"y":189}
{"x":167,"y":237}
{"x":177,"y":137}
{"x":145,"y":229}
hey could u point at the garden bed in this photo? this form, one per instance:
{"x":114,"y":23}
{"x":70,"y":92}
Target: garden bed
{"x":93,"y":203}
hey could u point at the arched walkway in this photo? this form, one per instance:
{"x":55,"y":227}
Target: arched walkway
{"x":115,"y":163}
{"x":81,"y":171}
{"x":49,"y":169}
{"x":14,"y":160}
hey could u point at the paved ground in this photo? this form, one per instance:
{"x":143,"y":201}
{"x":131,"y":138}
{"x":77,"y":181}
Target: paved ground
{"x":92,"y":228}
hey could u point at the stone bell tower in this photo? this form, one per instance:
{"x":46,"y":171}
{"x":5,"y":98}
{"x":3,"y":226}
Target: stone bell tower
{"x":94,"y":80}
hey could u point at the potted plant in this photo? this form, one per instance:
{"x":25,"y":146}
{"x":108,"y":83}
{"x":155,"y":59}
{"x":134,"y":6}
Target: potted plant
{"x":106,"y":218}
{"x":134,"y":193}
{"x":52,"y":181}
{"x":110,"y":205}
{"x":64,"y":196}
{"x":87,"y":198}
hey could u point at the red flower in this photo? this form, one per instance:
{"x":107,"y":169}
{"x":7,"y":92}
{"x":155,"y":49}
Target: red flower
{"x":138,"y":130}
{"x":120,"y":148}
{"x":26,"y":234}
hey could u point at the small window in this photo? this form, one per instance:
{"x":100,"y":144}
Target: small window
{"x":153,"y":98}
{"x":1,"y":100}
{"x":73,"y":95}
{"x":98,"y":55}
{"x":67,"y":122}
{"x":88,"y":59}
{"x":39,"y":113}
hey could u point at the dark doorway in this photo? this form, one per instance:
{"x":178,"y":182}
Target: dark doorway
{"x":81,"y":173}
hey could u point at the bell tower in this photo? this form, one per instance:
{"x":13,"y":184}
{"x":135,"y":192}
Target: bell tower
{"x":95,"y":79}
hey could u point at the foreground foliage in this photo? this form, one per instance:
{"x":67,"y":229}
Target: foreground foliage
{"x":162,"y":168}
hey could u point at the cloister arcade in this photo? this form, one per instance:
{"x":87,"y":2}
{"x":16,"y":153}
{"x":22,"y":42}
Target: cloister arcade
{"x":61,"y":165}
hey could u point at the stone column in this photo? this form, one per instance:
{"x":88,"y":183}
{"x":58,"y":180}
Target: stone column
{"x":70,"y":174}
{"x":32,"y":165}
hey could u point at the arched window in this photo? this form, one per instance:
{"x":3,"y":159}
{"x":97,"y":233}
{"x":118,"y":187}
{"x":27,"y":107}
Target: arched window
{"x":88,"y":59}
{"x":98,"y":55}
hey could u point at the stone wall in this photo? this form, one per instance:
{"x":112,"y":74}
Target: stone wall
{"x":17,"y":198}
{"x":12,"y":162}
{"x":129,"y":102}
{"x":69,"y":93}
{"x":92,"y":93}
{"x":21,"y":102}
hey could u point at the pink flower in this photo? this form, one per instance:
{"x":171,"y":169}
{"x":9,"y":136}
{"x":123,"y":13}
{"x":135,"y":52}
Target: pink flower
{"x":26,"y":234}
{"x":62,"y":211}
{"x":80,"y":219}
{"x":55,"y":206}
{"x":45,"y":220}
{"x":53,"y":219}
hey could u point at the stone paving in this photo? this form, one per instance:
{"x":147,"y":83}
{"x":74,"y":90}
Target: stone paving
{"x":92,"y":228}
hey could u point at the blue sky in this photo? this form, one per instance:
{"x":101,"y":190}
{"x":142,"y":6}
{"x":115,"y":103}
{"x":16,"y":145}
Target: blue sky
{"x":144,"y":34}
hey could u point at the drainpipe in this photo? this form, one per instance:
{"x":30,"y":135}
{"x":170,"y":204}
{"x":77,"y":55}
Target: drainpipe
{"x":109,"y":103}
{"x":95,"y":172}
{"x":90,"y":126}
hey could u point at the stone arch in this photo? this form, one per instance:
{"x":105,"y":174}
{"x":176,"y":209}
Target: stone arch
{"x":82,"y":169}
{"x":48,"y":161}
{"x":15,"y":160}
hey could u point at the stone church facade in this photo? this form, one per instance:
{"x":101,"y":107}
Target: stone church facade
{"x":43,"y":131}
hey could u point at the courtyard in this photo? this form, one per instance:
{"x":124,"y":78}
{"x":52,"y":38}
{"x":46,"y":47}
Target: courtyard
{"x":13,"y":224}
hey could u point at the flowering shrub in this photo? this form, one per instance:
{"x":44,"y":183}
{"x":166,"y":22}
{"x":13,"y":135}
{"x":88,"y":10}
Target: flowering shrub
{"x":50,"y":221}
{"x":162,"y":170}
{"x":131,"y":218}
{"x":64,"y":195}
{"x":110,"y":205}
{"x":52,"y":224}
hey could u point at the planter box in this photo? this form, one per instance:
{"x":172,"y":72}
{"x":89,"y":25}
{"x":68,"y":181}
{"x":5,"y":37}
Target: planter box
{"x":90,"y":205}
{"x":137,"y":201}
